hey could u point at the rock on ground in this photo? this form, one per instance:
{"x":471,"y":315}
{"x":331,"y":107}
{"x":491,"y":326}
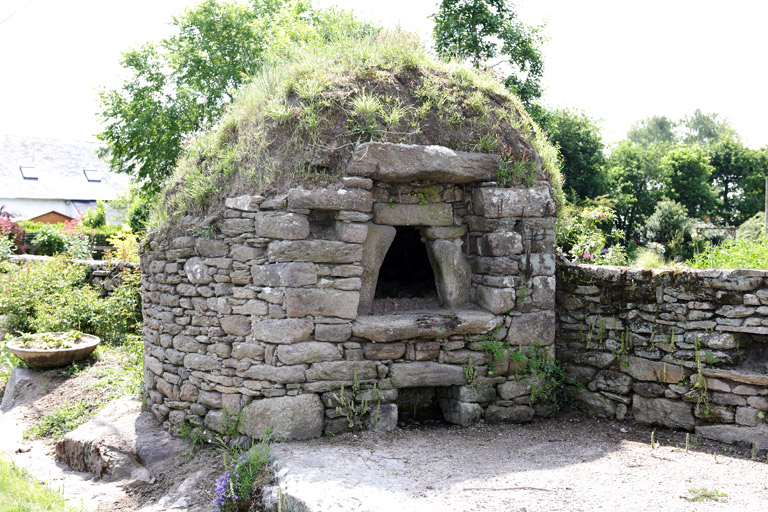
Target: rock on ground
{"x":119,"y":442}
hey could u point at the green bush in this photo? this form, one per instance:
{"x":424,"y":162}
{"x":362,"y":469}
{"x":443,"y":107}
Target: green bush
{"x":53,"y":296}
{"x":7,"y":247}
{"x":584,"y":233}
{"x":738,"y":253}
{"x":97,"y":217}
{"x":670,"y":226}
{"x":49,"y":240}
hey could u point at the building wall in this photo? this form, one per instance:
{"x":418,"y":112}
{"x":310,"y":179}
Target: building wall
{"x":262,"y":314}
{"x":685,"y":349}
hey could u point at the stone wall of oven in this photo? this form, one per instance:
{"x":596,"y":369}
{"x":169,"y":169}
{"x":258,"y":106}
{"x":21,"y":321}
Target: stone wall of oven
{"x":269,"y":312}
{"x":685,"y":349}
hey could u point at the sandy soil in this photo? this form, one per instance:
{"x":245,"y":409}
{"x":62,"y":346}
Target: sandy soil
{"x":570,"y":463}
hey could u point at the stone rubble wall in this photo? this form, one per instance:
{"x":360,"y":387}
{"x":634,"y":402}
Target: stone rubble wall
{"x":268,"y":313}
{"x":685,"y":349}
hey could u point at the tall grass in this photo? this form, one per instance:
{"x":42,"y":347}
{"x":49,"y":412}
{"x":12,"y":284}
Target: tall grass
{"x":734,"y":253}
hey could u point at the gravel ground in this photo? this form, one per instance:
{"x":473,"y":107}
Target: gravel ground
{"x":569,"y":463}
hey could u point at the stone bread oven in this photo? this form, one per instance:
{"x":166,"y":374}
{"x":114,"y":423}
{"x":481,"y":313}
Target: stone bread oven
{"x":389,"y":282}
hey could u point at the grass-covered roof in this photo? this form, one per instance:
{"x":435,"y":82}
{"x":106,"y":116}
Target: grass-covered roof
{"x":300,"y":119}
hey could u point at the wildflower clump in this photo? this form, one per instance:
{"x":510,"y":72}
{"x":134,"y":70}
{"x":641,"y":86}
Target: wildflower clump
{"x":241,"y":484}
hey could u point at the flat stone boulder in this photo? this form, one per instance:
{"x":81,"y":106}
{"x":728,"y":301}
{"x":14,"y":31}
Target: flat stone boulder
{"x":426,"y":374}
{"x":496,"y":300}
{"x":757,"y":435}
{"x":437,"y":324}
{"x":595,"y":404}
{"x":398,"y":214}
{"x":664,"y":412}
{"x":516,"y":414}
{"x":120,"y":442}
{"x":288,"y":330}
{"x":755,"y":379}
{"x":288,"y":226}
{"x":23,"y":386}
{"x":197,"y":271}
{"x":383,"y":161}
{"x":657,"y":371}
{"x":318,"y":251}
{"x":321,"y":302}
{"x":284,"y":274}
{"x":330,"y":199}
{"x":444,"y":232}
{"x":308,"y":352}
{"x":460,"y":413}
{"x":342,"y":371}
{"x":496,"y":203}
{"x":289,"y":417}
{"x":532,"y":328}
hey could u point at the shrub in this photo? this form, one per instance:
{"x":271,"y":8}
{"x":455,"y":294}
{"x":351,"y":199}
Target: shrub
{"x":54,"y":296}
{"x":126,"y":247}
{"x":97,"y":217}
{"x":7,"y":247}
{"x":78,"y":243}
{"x":583,"y":233}
{"x":11,"y":230}
{"x":49,"y":240}
{"x":670,"y":226}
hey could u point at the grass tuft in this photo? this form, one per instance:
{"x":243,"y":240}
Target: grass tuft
{"x":19,"y":492}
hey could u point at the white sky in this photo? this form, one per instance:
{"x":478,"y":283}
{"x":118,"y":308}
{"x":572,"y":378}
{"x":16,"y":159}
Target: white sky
{"x":619,"y":61}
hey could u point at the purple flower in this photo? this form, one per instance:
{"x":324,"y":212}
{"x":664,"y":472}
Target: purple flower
{"x":605,"y":251}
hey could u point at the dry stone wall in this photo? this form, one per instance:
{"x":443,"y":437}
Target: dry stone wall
{"x":685,"y":349}
{"x":270,"y":313}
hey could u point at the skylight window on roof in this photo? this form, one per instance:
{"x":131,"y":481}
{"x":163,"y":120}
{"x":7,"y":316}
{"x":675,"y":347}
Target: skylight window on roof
{"x":28,"y":172}
{"x":93,"y":176}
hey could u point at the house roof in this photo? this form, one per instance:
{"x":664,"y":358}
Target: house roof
{"x":35,"y":168}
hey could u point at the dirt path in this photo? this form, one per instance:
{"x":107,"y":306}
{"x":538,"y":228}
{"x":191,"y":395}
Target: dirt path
{"x":183,"y":482}
{"x":570,"y":463}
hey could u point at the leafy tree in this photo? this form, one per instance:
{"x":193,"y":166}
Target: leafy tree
{"x":486,"y":30}
{"x":653,"y":130}
{"x":734,"y":165}
{"x":701,"y":128}
{"x":180,"y":85}
{"x":581,"y":148}
{"x":687,"y":172}
{"x":636,"y":183}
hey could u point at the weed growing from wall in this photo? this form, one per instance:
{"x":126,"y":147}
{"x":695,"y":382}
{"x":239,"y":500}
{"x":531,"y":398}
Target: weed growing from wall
{"x":354,"y":405}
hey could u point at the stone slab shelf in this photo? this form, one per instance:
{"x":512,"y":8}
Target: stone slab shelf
{"x":761,"y":331}
{"x":423,"y":324}
{"x":756,"y":379}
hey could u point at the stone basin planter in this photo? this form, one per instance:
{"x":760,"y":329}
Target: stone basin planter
{"x":50,"y":358}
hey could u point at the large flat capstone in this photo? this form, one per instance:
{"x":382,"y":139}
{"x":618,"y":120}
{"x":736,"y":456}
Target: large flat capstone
{"x":383,"y":161}
{"x":289,"y":417}
{"x":432,"y":324}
